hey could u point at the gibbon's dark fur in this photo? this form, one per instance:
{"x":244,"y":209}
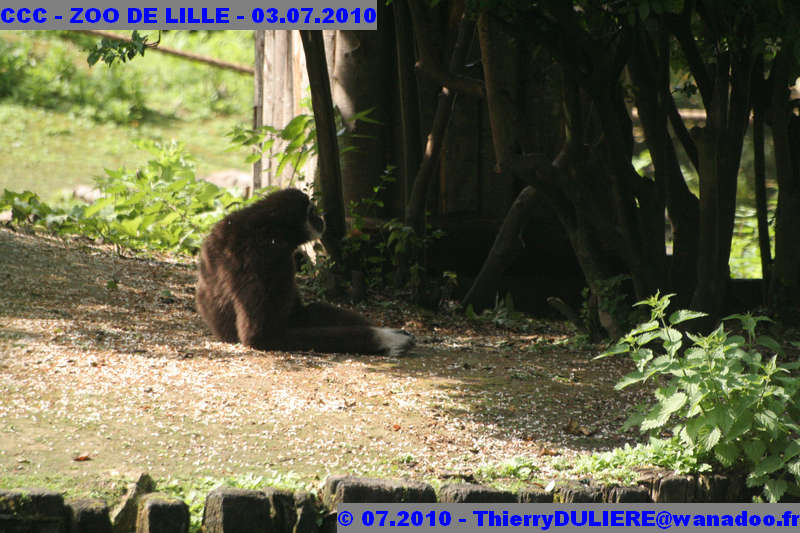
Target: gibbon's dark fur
{"x":246,"y":290}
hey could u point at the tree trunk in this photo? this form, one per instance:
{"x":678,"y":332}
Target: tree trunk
{"x":760,"y":183}
{"x":649,"y":68}
{"x":505,"y":249}
{"x":411,"y":143}
{"x":360,"y":84}
{"x":330,"y":171}
{"x":785,"y":288}
{"x":569,"y":182}
{"x":719,"y":146}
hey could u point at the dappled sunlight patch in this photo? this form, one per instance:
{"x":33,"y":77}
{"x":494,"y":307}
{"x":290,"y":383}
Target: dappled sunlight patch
{"x":129,"y":377}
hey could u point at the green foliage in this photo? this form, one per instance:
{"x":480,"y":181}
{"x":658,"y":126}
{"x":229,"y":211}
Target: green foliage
{"x":620,"y":464}
{"x":381,"y":251}
{"x":110,"y":50}
{"x":521,"y":468}
{"x":745,"y":261}
{"x":195,"y":490}
{"x":360,"y":249}
{"x":51,"y":79}
{"x":49,"y":69}
{"x":159,"y":207}
{"x":291,"y":145}
{"x":300,"y":142}
{"x":730,"y":405}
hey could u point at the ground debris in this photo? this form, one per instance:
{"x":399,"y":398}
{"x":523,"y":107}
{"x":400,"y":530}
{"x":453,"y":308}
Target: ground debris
{"x":129,"y":376}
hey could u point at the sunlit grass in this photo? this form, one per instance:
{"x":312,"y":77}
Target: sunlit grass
{"x":78,"y":123}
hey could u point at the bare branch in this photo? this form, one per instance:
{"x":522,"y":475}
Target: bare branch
{"x":428,"y":64}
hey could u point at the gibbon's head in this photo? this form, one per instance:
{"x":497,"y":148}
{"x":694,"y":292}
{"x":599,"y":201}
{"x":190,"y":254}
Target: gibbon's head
{"x":315,"y":225}
{"x":292,"y":214}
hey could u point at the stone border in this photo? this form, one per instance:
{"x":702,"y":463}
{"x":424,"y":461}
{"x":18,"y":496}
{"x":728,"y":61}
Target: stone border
{"x":231,"y":510}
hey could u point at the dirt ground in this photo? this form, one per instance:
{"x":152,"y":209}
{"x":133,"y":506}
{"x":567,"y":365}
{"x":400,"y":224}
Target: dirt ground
{"x":106,"y":371}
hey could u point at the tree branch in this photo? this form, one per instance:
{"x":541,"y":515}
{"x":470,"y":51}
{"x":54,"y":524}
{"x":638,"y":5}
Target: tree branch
{"x":428,"y":64}
{"x":679,"y":127}
{"x":415,"y":210}
{"x":330,"y":169}
{"x":681,"y":29}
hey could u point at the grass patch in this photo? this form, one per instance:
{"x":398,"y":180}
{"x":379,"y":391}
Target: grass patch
{"x":65,"y":122}
{"x":193,"y":491}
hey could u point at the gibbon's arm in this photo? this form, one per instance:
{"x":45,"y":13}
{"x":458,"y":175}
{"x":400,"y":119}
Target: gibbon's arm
{"x":260,"y":320}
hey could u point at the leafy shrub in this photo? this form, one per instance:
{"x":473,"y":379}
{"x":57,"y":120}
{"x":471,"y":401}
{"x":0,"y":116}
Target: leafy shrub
{"x":730,"y":405}
{"x":381,"y":251}
{"x":161,"y":206}
{"x":293,"y":144}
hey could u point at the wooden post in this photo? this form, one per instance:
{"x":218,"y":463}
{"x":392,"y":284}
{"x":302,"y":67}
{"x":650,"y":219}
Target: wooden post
{"x":258,"y":101}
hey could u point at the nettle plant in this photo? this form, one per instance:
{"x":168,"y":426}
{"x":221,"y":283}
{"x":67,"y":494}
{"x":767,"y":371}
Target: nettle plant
{"x":160,"y":206}
{"x":727,"y":403}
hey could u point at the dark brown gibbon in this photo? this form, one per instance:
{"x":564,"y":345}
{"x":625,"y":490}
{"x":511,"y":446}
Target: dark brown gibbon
{"x":246,"y":290}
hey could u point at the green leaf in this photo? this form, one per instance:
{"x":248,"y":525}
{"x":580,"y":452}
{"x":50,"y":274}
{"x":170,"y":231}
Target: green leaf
{"x":755,"y":481}
{"x":629,"y":379}
{"x":645,"y":327}
{"x":726,"y":453}
{"x":794,"y":469}
{"x":768,"y":419}
{"x":614,"y":350}
{"x":683,"y":315}
{"x":710,"y":439}
{"x":295,"y":127}
{"x":774,"y":489}
{"x":792,"y":450}
{"x":674,"y":402}
{"x":654,"y":419}
{"x":641,"y":357}
{"x":660,"y":413}
{"x":769,"y":465}
{"x":646,"y":338}
{"x":769,"y":342}
{"x":634,"y":420}
{"x":97,"y":206}
{"x":754,"y":450}
{"x":364,"y":116}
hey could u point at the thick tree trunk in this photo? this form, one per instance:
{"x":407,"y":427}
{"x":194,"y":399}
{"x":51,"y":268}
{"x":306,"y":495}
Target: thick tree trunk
{"x":649,"y":68}
{"x":569,"y":182}
{"x":359,"y":84}
{"x":785,"y":288}
{"x":328,"y":149}
{"x":719,"y":147}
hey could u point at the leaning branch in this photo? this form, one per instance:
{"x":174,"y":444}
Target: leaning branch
{"x":415,"y":210}
{"x":235,"y":67}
